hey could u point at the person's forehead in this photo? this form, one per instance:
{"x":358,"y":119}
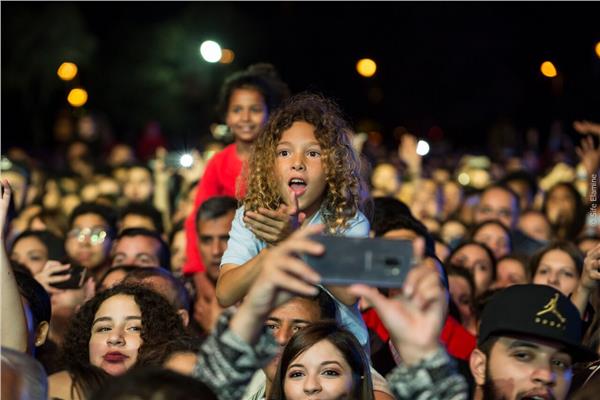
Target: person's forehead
{"x":297,"y":308}
{"x":216,"y":226}
{"x":538,"y":345}
{"x":495,"y":196}
{"x":89,"y":220}
{"x":401,"y":234}
{"x":137,"y":243}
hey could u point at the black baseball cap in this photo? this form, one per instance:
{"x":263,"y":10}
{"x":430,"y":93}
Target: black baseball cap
{"x":535,"y":310}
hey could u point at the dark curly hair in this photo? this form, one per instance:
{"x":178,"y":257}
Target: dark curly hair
{"x":160,"y":323}
{"x":345,"y":191}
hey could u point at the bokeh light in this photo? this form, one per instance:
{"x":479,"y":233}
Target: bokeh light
{"x":67,"y":71}
{"x":366,"y":67}
{"x":598,"y":49}
{"x":422,"y":148}
{"x":464,"y":178}
{"x":210,"y":51}
{"x":186,"y":160}
{"x":77,"y":97}
{"x":227,"y":56}
{"x":548,"y":69}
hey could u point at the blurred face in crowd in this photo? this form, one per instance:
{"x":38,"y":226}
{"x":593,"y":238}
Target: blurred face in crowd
{"x":87,"y":241}
{"x":213,"y":235}
{"x":462,"y":295}
{"x":560,"y":206}
{"x":140,"y":250}
{"x":31,"y":252}
{"x":535,"y":225}
{"x":453,"y":230}
{"x":523,"y":368}
{"x":139,"y":185}
{"x":112,"y":278}
{"x":385,"y":178}
{"x":286,"y":320}
{"x":496,"y":238}
{"x":319,"y":372}
{"x":116,"y":335}
{"x":510,"y":271}
{"x":521,"y":188}
{"x":474,"y":258}
{"x":69,"y":202}
{"x":178,"y":256}
{"x":246,"y":114}
{"x":557,"y":269}
{"x":452,"y":193}
{"x":499,"y":204}
{"x":206,"y":307}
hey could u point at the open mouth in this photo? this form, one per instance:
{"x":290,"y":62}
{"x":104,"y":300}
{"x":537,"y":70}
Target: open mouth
{"x":298,"y":185}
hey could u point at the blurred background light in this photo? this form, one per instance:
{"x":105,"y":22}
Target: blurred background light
{"x":422,"y":148}
{"x":598,"y":49}
{"x":366,"y":67}
{"x":548,"y":69}
{"x":67,"y":71}
{"x":211,"y":51}
{"x":464,"y":179}
{"x":186,"y":160}
{"x":77,"y":97}
{"x":227,"y":56}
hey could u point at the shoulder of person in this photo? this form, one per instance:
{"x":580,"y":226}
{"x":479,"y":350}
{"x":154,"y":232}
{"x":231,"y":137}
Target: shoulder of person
{"x":59,"y":386}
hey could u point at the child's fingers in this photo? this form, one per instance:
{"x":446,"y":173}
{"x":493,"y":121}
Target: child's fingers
{"x":277,"y":215}
{"x":262,"y":219}
{"x":58,"y":278}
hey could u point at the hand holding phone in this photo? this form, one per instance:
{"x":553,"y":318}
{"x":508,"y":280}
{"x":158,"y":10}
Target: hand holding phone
{"x":377,"y":262}
{"x":56,"y":275}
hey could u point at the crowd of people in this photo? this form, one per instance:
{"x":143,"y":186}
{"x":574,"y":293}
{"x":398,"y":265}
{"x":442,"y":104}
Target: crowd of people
{"x":126,"y":277}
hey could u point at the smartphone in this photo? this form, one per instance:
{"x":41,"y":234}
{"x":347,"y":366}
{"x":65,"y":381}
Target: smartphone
{"x":377,"y":262}
{"x":75,"y":281}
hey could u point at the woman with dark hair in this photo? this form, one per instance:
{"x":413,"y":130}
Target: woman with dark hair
{"x":324,"y":361}
{"x":479,"y":260}
{"x":33,"y":248}
{"x":246,"y":100}
{"x":564,"y":207}
{"x":111,"y":333}
{"x":558,"y":265}
{"x":494,"y":235}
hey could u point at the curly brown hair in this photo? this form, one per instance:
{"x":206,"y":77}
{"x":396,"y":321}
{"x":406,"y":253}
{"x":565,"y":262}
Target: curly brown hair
{"x":160,"y":323}
{"x":345,"y":190}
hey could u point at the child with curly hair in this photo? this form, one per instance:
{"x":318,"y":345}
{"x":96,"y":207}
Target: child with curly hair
{"x":303,"y":170}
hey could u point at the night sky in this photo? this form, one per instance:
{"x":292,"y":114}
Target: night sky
{"x":463,"y":67}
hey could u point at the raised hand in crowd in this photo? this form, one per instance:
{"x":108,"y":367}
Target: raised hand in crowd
{"x":415,"y":317}
{"x":590,"y":275}
{"x":587,"y":127}
{"x":589,"y":155}
{"x":14,"y":324}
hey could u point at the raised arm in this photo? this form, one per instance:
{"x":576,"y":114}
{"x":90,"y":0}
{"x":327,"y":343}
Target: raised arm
{"x":414,"y":320}
{"x":588,"y":282}
{"x":14,"y":326}
{"x":238,"y":347}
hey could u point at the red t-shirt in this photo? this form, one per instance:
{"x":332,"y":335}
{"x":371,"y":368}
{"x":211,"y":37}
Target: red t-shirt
{"x":219,"y":179}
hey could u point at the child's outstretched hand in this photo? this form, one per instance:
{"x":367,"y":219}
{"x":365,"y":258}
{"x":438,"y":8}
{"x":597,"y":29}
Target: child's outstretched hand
{"x":273,"y":226}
